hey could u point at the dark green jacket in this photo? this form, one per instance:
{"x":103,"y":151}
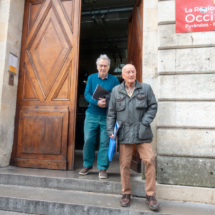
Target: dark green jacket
{"x":134,"y":113}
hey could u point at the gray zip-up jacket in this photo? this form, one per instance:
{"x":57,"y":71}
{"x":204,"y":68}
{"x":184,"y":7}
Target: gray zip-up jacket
{"x":134,"y":113}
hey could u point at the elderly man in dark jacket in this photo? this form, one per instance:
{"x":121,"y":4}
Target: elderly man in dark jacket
{"x":133,"y":106}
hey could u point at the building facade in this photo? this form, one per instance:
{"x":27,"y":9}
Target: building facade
{"x":180,"y":69}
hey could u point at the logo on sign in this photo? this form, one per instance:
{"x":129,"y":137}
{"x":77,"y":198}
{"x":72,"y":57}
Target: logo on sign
{"x":203,"y":9}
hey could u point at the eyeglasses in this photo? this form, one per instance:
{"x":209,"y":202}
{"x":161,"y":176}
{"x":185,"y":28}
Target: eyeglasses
{"x":130,"y":72}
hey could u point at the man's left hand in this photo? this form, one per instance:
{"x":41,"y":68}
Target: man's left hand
{"x":102,"y":103}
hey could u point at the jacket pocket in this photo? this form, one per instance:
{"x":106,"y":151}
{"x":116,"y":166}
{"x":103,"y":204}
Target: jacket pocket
{"x":141,"y":101}
{"x":144,"y":132}
{"x":120,"y":103}
{"x":121,"y":132}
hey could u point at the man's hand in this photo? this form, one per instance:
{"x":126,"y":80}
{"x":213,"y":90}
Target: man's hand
{"x":102,"y":103}
{"x":111,"y":136}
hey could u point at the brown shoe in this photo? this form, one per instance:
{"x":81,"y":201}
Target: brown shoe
{"x":85,"y":170}
{"x":152,"y":202}
{"x":102,"y":174}
{"x":125,"y":200}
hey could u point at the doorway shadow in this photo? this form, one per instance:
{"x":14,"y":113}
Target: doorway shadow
{"x":113,"y":169}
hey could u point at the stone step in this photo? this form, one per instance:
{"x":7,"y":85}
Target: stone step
{"x":11,"y":213}
{"x":69,"y":180}
{"x":66,"y":202}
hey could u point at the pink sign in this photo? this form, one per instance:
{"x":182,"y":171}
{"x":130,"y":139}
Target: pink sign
{"x":195,"y":15}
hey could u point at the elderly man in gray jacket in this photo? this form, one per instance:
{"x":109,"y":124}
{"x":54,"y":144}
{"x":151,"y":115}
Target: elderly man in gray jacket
{"x":133,"y":106}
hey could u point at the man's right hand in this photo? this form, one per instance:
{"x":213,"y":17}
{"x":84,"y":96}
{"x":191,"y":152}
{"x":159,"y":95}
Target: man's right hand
{"x":111,"y":136}
{"x":102,"y":103}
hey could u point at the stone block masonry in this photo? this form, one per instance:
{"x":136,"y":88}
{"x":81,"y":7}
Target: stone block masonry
{"x":187,"y":87}
{"x":150,"y":53}
{"x":169,"y":39}
{"x":186,"y":94}
{"x":179,"y":142}
{"x":186,"y":114}
{"x":186,"y":61}
{"x":11,"y":21}
{"x":199,"y":172}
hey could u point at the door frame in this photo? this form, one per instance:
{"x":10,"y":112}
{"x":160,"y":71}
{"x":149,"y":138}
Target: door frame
{"x":136,"y":161}
{"x":74,"y":85}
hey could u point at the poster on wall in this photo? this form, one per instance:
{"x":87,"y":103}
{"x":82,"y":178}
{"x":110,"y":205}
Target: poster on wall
{"x":195,"y":15}
{"x":13,"y":60}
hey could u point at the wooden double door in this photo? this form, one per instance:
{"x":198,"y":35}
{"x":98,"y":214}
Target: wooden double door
{"x":47,"y":90}
{"x":46,"y":103}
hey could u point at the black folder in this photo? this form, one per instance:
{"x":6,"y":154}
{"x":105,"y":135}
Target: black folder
{"x":100,"y":92}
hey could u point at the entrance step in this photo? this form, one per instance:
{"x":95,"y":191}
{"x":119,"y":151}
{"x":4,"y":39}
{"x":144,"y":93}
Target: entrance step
{"x":11,"y":213}
{"x":66,"y":202}
{"x":69,"y":180}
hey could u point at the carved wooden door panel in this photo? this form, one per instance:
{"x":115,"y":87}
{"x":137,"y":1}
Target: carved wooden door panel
{"x":135,"y":38}
{"x":46,"y":104}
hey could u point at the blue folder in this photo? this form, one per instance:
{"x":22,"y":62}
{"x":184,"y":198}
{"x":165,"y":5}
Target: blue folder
{"x":113,"y":144}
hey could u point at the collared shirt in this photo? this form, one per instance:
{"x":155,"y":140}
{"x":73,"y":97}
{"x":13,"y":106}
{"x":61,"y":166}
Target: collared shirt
{"x":106,"y":77}
{"x":130,"y":90}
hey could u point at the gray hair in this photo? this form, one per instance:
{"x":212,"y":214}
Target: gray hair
{"x":104,"y":57}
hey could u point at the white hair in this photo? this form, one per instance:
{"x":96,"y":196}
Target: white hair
{"x":104,"y":57}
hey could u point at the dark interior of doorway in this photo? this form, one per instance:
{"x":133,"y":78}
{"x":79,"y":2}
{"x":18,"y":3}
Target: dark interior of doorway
{"x":104,"y":30}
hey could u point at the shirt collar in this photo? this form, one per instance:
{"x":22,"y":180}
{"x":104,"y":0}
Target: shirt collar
{"x":106,"y":77}
{"x":133,"y":86}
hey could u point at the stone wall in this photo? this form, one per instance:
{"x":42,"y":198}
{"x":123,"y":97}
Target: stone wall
{"x":11,"y":21}
{"x":150,"y":57}
{"x":186,"y":94}
{"x":150,"y":53}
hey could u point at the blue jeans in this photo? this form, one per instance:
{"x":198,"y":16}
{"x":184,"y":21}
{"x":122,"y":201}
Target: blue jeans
{"x":91,"y":125}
